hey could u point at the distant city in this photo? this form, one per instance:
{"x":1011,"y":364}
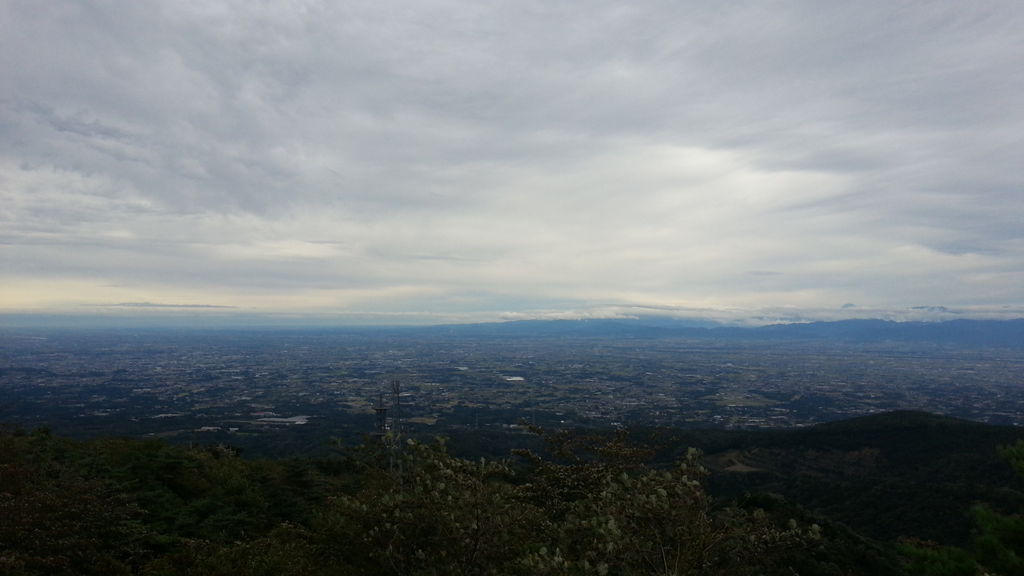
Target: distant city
{"x":298,"y":388}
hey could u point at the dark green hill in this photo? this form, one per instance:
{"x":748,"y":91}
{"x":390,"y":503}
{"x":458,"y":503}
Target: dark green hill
{"x":123,"y":506}
{"x":887,"y":475}
{"x":898,"y":474}
{"x":828,"y":499}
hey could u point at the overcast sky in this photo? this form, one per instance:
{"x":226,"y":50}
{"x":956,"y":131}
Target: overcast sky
{"x":446,"y":160}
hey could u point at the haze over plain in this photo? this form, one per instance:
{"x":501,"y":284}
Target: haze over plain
{"x":449,"y":161}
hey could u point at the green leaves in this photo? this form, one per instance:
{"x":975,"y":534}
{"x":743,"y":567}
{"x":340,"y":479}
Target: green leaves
{"x":55,"y":519}
{"x":118,"y":506}
{"x":438,"y":515}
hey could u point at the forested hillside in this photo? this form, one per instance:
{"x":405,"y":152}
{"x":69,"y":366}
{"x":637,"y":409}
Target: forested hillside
{"x":590,"y":503}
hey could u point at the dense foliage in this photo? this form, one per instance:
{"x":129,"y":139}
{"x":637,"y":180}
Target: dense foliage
{"x":591,"y":505}
{"x":996,"y":545}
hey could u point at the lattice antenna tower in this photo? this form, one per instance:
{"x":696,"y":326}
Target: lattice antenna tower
{"x":382,"y":418}
{"x":395,"y":437}
{"x":396,"y":406}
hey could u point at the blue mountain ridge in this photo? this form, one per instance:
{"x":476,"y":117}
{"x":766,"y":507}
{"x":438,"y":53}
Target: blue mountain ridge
{"x":961,"y":332}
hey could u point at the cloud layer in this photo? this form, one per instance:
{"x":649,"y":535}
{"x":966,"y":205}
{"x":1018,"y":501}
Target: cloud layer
{"x":462,"y":160}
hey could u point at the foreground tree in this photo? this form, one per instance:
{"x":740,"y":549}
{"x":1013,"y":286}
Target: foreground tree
{"x":594,"y":504}
{"x":612,"y":513}
{"x":54,"y":519}
{"x":997,"y":542}
{"x":425,"y":512}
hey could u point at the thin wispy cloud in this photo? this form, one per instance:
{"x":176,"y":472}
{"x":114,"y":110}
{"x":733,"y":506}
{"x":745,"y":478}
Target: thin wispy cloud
{"x":459,"y":160}
{"x":164,"y":305}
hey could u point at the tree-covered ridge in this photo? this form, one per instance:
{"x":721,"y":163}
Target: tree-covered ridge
{"x":889,"y":476}
{"x":592,"y":504}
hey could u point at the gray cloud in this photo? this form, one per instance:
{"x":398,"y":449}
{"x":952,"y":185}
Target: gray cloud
{"x":164,"y":305}
{"x":457,"y":158}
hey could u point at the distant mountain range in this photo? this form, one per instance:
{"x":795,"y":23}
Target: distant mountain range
{"x":962,"y":333}
{"x":966,"y":333}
